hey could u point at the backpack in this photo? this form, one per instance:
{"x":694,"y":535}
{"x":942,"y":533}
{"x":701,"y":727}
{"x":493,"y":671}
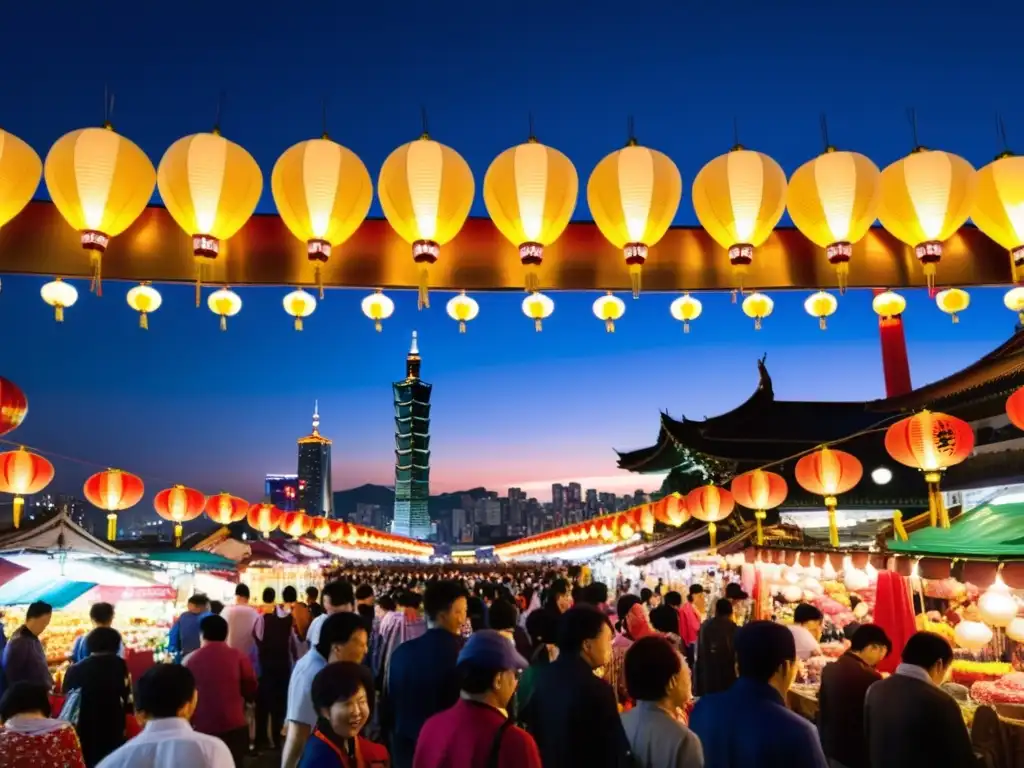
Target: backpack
{"x":72,"y":706}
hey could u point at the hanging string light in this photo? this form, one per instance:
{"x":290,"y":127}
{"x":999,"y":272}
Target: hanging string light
{"x":60,"y":296}
{"x":225,"y":303}
{"x":953,"y":301}
{"x":378,"y":308}
{"x":686,"y":309}
{"x":538,"y":308}
{"x":821,"y":305}
{"x":299,"y":304}
{"x":609,"y":308}
{"x":144,"y":299}
{"x":462,"y":309}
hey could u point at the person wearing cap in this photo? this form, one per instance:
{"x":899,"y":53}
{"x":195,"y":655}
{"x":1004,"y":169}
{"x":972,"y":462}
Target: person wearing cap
{"x":715,"y":666}
{"x":477,"y":731}
{"x":736,"y":595}
{"x":749,"y":724}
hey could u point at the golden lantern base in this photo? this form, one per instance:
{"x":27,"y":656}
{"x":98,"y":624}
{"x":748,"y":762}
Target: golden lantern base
{"x":111,"y":527}
{"x":713,"y":533}
{"x":833,"y":526}
{"x":760,"y":516}
{"x":531,"y":255}
{"x":177,"y":534}
{"x":19,"y":505}
{"x":838,"y":255}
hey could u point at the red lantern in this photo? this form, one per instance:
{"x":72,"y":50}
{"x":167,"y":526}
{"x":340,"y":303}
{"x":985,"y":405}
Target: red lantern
{"x":759,"y":491}
{"x":710,"y":504}
{"x":179,"y":505}
{"x":225,"y":509}
{"x":264,"y":518}
{"x":1014,"y":408}
{"x":828,"y":473}
{"x":296,"y":524}
{"x":22,"y":474}
{"x":13,"y":406}
{"x":113,"y":490}
{"x":646,"y":516}
{"x":931,"y":442}
{"x":672,"y":511}
{"x":322,"y":528}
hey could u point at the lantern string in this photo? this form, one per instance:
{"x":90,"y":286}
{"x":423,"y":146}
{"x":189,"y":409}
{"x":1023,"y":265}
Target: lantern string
{"x":529,"y":117}
{"x":735,"y":132}
{"x":323,"y":117}
{"x":220,"y":110}
{"x":630,"y":131}
{"x":912,"y":119}
{"x":824,"y":132}
{"x":423,"y":118}
{"x":1001,"y":133}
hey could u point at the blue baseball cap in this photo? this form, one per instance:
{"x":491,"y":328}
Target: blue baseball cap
{"x":491,"y":650}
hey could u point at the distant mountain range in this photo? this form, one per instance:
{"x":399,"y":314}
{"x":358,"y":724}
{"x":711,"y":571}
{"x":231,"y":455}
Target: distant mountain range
{"x":384,"y":495}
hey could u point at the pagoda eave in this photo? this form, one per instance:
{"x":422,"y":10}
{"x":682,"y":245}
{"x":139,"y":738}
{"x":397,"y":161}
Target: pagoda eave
{"x":39,"y":242}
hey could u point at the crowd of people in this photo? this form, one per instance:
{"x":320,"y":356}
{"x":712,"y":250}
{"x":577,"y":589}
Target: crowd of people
{"x":406,"y":667}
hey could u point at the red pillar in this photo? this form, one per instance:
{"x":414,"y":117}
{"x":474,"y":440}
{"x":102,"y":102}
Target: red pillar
{"x":895,"y":363}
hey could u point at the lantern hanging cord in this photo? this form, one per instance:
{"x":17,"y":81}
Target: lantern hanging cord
{"x":426,"y":123}
{"x":824,"y":133}
{"x":1001,"y":136}
{"x":736,"y":133}
{"x":630,"y":132}
{"x":220,"y":111}
{"x":323,"y":120}
{"x":912,"y":119}
{"x":108,"y":107}
{"x":529,"y":118}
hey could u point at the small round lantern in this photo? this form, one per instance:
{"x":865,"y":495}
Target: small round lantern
{"x":828,"y":473}
{"x":225,"y":303}
{"x":144,"y":299}
{"x":179,"y":505}
{"x":953,"y":301}
{"x":538,"y":308}
{"x":888,"y":304}
{"x":13,"y":406}
{"x":672,"y":510}
{"x":710,"y":504}
{"x":996,"y":605}
{"x":21,"y":474}
{"x":685,"y":309}
{"x":264,"y":518}
{"x":931,"y":442}
{"x":758,"y":306}
{"x":60,"y":296}
{"x":821,"y":305}
{"x":225,"y":509}
{"x":114,"y":491}
{"x":462,"y":309}
{"x":760,"y":491}
{"x":1014,"y":408}
{"x":1015,"y":630}
{"x":1014,"y":301}
{"x":296,"y":524}
{"x":609,"y":308}
{"x":972,"y":635}
{"x":299,"y":304}
{"x":378,"y":308}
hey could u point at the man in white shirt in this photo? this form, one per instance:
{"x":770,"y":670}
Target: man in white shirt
{"x":338,"y":597}
{"x":167,"y":698}
{"x":806,"y":629}
{"x":241,"y":618}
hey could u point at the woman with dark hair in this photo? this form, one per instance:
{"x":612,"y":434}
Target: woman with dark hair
{"x":558,"y":598}
{"x":631,"y":626}
{"x":30,"y":736}
{"x":342,"y":695}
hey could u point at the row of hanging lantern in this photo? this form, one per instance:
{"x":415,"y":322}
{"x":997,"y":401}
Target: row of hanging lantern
{"x":225,"y":303}
{"x":101,"y":182}
{"x":927,"y":441}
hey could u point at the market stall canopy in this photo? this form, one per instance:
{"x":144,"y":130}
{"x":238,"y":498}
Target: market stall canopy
{"x":995,"y":531}
{"x":204,"y":560}
{"x":9,"y":570}
{"x":32,"y":587}
{"x":57,"y":532}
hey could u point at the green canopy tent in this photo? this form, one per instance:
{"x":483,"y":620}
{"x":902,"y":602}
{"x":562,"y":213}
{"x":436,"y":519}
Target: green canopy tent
{"x":990,"y":531}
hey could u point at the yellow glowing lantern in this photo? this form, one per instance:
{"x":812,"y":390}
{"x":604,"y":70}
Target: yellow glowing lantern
{"x":210,"y":186}
{"x":60,"y":296}
{"x":609,"y":308}
{"x":821,"y":305}
{"x":100,"y":182}
{"x":925,"y":198}
{"x":299,"y":304}
{"x":530,"y":193}
{"x":462,"y":309}
{"x":1015,"y":629}
{"x":888,"y":304}
{"x":972,"y":635}
{"x":633,"y":195}
{"x":739,"y":197}
{"x":323,"y":192}
{"x":426,"y":190}
{"x":20,"y":169}
{"x":685,"y":309}
{"x":998,"y":208}
{"x":144,"y":299}
{"x":538,"y":307}
{"x":378,"y":308}
{"x":758,"y":306}
{"x":225,"y":303}
{"x":953,"y":301}
{"x":833,"y":201}
{"x":1014,"y":301}
{"x":997,"y":606}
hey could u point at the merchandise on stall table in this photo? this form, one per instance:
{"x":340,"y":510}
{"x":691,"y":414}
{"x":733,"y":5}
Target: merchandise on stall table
{"x":1009,"y":689}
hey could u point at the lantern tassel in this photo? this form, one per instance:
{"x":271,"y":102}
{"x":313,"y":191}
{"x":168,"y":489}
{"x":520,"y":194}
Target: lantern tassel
{"x":609,"y":326}
{"x":537,"y":325}
{"x":377,"y":325}
{"x":822,"y":323}
{"x":111,"y":527}
{"x":462,"y":326}
{"x":424,"y":294}
{"x":223,"y":322}
{"x":956,"y":318}
{"x":713,"y":532}
{"x":757,"y":323}
{"x":177,"y":534}
{"x":833,"y":527}
{"x":143,"y":321}
{"x":298,"y":323}
{"x":95,"y":259}
{"x":319,"y":281}
{"x":759,"y":516}
{"x":929,"y":277}
{"x":199,"y":282}
{"x":686,"y":326}
{"x":58,"y":313}
{"x":843,"y":274}
{"x":897,"y":526}
{"x":937,"y":512}
{"x":634,"y":279}
{"x":532,"y":278}
{"x":19,"y":505}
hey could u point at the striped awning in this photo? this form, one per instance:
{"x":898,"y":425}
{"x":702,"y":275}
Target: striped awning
{"x":28,"y":589}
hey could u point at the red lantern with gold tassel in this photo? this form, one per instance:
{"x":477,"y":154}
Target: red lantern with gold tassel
{"x":671,"y":510}
{"x":225,"y":509}
{"x":179,"y":505}
{"x":931,"y":442}
{"x":13,"y":406}
{"x":760,"y":491}
{"x":23,"y":473}
{"x":264,"y":518}
{"x":828,"y":473}
{"x":296,"y":524}
{"x":1014,"y":408}
{"x":710,"y":504}
{"x":114,"y":491}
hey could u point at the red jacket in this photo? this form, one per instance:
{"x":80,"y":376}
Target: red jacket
{"x":689,"y":624}
{"x":462,"y":737}
{"x":225,"y":680}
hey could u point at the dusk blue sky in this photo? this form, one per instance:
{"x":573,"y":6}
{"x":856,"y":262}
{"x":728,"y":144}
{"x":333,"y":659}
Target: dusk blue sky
{"x":186,"y":403}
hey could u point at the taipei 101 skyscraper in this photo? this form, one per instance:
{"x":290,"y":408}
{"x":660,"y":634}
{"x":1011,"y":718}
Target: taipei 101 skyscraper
{"x":412,"y":449}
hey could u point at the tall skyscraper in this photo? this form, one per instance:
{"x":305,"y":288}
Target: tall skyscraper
{"x":315,"y":495}
{"x":412,"y":449}
{"x":282,"y":491}
{"x":558,"y":497}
